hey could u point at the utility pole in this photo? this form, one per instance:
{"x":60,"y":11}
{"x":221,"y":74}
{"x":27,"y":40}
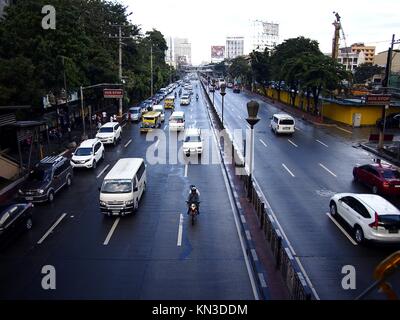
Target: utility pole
{"x":120,"y":37}
{"x":170,"y":60}
{"x":151,"y":68}
{"x":66,"y":99}
{"x":385,"y":84}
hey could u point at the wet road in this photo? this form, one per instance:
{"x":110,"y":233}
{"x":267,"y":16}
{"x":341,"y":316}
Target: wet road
{"x":298,"y":174}
{"x":154,"y":254}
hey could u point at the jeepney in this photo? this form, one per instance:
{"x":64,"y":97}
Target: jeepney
{"x":169,"y":102}
{"x":150,"y":120}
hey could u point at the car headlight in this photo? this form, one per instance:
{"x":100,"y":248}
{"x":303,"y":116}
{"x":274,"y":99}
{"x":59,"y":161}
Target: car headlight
{"x":102,"y":203}
{"x":129,"y":202}
{"x":20,"y":191}
{"x":41,"y":191}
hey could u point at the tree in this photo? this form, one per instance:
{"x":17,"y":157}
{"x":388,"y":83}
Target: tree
{"x":240,"y":69}
{"x":366,"y":71}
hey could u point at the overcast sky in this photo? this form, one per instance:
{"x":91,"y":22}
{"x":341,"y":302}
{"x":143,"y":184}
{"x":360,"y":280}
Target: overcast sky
{"x":208,"y":22}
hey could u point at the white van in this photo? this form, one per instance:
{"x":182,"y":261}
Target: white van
{"x":160,"y":108}
{"x":123,"y":187}
{"x":282,"y":123}
{"x":177,"y":121}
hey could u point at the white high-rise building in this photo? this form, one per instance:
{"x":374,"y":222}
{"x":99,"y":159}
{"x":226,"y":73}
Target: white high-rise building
{"x":169,"y":53}
{"x":3,"y":4}
{"x":182,"y":50}
{"x":264,"y":35}
{"x":234,"y":47}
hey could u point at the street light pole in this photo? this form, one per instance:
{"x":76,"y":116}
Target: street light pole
{"x":223,"y":93}
{"x":151,"y":68}
{"x":252,"y":120}
{"x":213,"y":86}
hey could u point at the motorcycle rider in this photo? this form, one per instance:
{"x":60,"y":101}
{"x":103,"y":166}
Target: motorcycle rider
{"x":193,"y":197}
{"x":197,"y":96}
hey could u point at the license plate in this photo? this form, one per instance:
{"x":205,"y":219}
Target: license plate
{"x":28,"y":198}
{"x":394,"y":231}
{"x":115,"y":213}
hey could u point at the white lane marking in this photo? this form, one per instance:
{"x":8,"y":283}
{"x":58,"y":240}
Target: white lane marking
{"x":114,"y":226}
{"x":102,"y":171}
{"x":232,"y":110}
{"x":322,"y":166}
{"x":123,"y":125}
{"x":293,"y":143}
{"x":347,"y":131}
{"x":240,"y":117}
{"x":51,"y":228}
{"x":297,"y":129}
{"x":191,"y":116}
{"x":265,"y":145}
{"x":287,"y":169}
{"x":324,"y":144}
{"x":128,"y":143}
{"x":180,"y":230}
{"x":341,"y":229}
{"x":165,"y":127}
{"x":273,"y":217}
{"x":186,"y":170}
{"x":238,"y":228}
{"x":157,"y":143}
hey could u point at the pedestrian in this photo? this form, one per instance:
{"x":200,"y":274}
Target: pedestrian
{"x":115,"y":118}
{"x":111,"y":118}
{"x":104,"y":116}
{"x":99,"y":124}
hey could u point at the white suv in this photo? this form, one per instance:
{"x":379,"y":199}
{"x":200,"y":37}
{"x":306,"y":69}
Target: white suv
{"x":109,"y":133}
{"x":282,"y":123}
{"x":371,"y":216}
{"x":193,"y":143}
{"x":88,"y":154}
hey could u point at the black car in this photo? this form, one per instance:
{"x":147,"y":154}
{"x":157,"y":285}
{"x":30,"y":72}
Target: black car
{"x":14,"y":219}
{"x":46,"y":179}
{"x":392,"y":121}
{"x":236,"y":89}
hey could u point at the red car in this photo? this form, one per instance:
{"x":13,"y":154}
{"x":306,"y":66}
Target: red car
{"x":382,"y":178}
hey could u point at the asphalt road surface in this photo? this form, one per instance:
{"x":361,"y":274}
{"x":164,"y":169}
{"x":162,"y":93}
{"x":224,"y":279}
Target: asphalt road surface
{"x":154,"y":254}
{"x":298,"y":174}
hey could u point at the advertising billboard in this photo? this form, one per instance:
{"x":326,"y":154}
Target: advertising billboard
{"x":217,"y":52}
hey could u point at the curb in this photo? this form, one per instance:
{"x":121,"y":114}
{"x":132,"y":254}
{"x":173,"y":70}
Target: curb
{"x":383,"y":156}
{"x":258,"y":269}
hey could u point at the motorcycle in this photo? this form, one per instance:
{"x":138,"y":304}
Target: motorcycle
{"x":193,"y":210}
{"x":197,"y":97}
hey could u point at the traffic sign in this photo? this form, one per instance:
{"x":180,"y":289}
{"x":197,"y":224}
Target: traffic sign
{"x":113,"y":93}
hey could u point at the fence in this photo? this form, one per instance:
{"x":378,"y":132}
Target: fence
{"x":284,"y":260}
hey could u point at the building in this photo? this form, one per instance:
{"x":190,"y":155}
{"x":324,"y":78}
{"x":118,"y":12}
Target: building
{"x":234,"y":47}
{"x":182,"y":51}
{"x":369,"y":51}
{"x":350,"y":59}
{"x":381,"y":58}
{"x":3,"y":4}
{"x":264,"y":35}
{"x":169,"y":53}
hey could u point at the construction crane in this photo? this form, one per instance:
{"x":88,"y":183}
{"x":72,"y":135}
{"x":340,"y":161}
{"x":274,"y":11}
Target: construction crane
{"x":335,"y":44}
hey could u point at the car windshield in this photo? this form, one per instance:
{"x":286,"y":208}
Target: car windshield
{"x":391,"y":174}
{"x":116,"y":186}
{"x":106,"y":130}
{"x":192,"y":139}
{"x":177,"y":120}
{"x":389,"y":219}
{"x":287,"y":122}
{"x":134,"y":111}
{"x":39,"y":174}
{"x":83,"y":152}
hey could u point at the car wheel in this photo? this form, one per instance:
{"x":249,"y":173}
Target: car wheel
{"x":28,"y":224}
{"x":374,"y":189}
{"x":359,"y":235}
{"x":69,"y":181}
{"x":102,"y":156}
{"x":94,"y":165}
{"x":333,"y":209}
{"x":355,"y":178}
{"x":50,"y":197}
{"x":115,"y":142}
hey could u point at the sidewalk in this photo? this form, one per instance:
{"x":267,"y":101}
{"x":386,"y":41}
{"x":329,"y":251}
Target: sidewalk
{"x":390,"y":152}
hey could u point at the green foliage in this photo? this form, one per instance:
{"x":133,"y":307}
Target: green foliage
{"x":31,"y":63}
{"x":366,"y":71}
{"x":240,"y":68}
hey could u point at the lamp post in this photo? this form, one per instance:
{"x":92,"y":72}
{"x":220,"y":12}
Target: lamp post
{"x":223,"y":93}
{"x":213,"y":86}
{"x":252,"y":111}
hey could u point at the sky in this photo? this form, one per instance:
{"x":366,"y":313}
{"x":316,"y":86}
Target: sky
{"x":209,"y":22}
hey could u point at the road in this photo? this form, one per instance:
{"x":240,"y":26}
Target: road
{"x":298,"y":175}
{"x":154,"y":254}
